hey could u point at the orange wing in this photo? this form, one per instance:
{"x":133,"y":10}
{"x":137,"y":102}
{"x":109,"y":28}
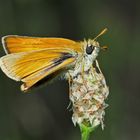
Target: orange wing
{"x":16,"y":44}
{"x":32,"y":66}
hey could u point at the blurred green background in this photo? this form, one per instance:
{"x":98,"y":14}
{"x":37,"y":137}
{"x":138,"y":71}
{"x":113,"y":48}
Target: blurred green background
{"x":42,"y":113}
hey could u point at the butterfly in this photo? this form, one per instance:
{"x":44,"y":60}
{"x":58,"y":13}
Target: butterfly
{"x":32,"y":59}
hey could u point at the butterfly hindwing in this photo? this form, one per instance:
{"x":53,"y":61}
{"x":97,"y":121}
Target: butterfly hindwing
{"x":32,"y":66}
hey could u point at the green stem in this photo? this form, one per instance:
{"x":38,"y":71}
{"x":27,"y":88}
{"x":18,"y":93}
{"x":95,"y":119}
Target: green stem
{"x":86,"y":131}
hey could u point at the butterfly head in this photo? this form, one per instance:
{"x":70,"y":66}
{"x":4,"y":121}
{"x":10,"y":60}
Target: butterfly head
{"x":92,"y":47}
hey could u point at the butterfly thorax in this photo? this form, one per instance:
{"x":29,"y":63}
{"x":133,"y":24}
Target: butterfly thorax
{"x":85,"y":59}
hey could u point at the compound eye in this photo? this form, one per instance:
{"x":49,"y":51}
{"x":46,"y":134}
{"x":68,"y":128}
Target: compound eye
{"x":89,"y":49}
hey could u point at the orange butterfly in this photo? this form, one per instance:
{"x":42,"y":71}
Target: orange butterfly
{"x":31,"y":59}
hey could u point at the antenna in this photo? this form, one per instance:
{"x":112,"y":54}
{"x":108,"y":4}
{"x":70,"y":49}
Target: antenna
{"x":101,"y":33}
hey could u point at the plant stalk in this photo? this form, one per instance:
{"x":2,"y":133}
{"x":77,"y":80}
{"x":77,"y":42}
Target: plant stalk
{"x":86,"y":131}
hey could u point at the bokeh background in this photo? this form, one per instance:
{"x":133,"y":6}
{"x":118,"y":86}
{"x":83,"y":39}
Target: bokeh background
{"x":42,"y":114}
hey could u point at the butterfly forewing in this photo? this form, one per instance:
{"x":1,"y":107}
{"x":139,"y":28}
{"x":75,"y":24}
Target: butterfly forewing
{"x":15,"y":44}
